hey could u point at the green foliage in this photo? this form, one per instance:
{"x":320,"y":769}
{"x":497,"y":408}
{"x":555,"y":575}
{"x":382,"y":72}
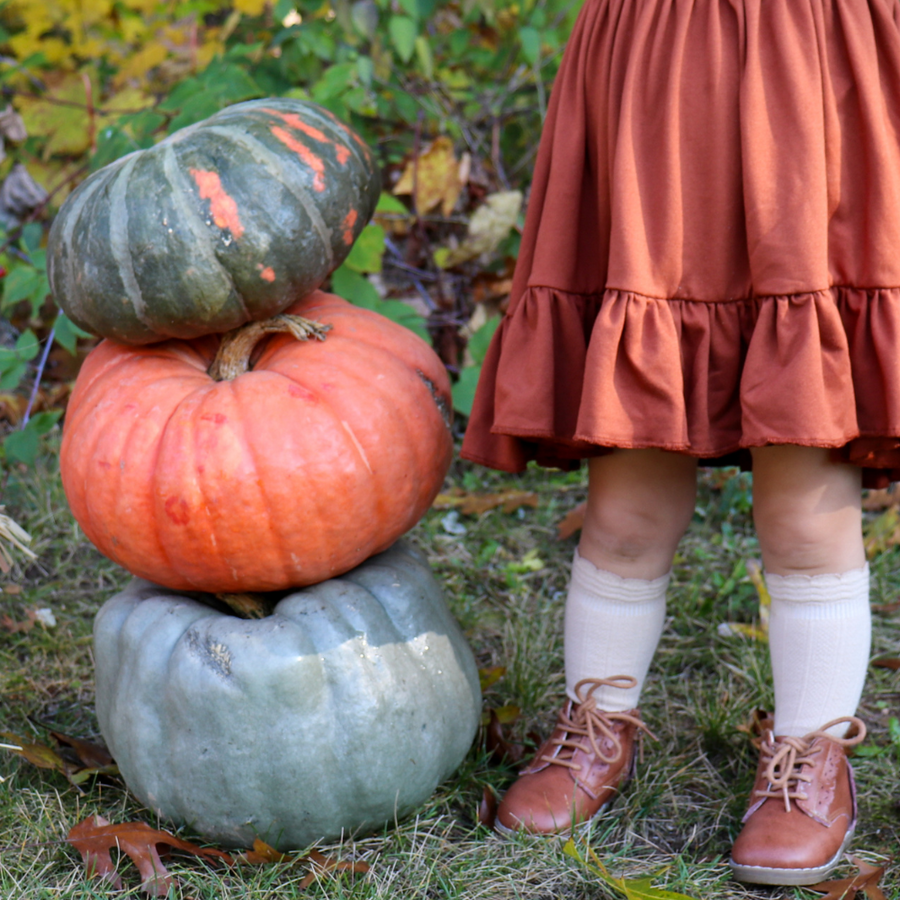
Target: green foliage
{"x":464,"y":389}
{"x":94,"y":80}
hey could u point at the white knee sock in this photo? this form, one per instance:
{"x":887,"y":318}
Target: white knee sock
{"x":819,"y":637}
{"x":612,"y":627}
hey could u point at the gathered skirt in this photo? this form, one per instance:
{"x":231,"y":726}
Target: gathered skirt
{"x":711,"y":254}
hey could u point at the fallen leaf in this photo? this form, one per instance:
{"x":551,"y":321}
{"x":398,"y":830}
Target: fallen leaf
{"x":572,"y":522}
{"x":321,"y":864}
{"x":630,"y":888}
{"x":37,"y":754}
{"x":887,"y":607}
{"x":435,"y":176}
{"x":488,"y":226}
{"x":470,"y":504}
{"x":14,"y":627}
{"x":865,"y":880}
{"x":487,"y":287}
{"x":74,"y":758}
{"x":886,"y":663}
{"x":90,"y":753}
{"x":263,"y":854}
{"x":12,"y":589}
{"x":497,"y":745}
{"x":490,"y":675}
{"x":95,"y":837}
{"x":487,"y":808}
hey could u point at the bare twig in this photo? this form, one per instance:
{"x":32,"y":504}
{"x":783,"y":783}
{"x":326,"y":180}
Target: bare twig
{"x":42,"y":364}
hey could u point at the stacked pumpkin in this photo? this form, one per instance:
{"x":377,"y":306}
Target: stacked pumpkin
{"x":286,"y":455}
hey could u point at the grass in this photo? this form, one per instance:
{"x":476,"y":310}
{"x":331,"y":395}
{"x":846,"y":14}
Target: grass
{"x":505,"y":576}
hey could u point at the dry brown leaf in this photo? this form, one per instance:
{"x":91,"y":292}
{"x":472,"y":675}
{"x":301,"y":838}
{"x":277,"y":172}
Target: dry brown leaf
{"x":487,"y":287}
{"x":470,"y":504}
{"x":321,"y":864}
{"x":77,"y":761}
{"x":497,"y":745}
{"x":436,"y":176}
{"x":487,"y":809}
{"x":12,"y":589}
{"x":14,"y":627}
{"x":91,"y":754}
{"x":886,"y":607}
{"x":572,"y":522}
{"x":94,"y":838}
{"x":865,"y":880}
{"x":886,"y":663}
{"x":263,"y":854}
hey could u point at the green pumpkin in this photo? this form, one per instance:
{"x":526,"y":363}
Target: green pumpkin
{"x":339,"y":712}
{"x":226,"y":221}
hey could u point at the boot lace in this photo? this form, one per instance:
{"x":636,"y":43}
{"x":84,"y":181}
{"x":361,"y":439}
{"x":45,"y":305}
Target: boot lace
{"x":785,"y":758}
{"x":585,"y":720}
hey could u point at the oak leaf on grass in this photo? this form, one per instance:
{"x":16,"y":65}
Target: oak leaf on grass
{"x":95,"y":838}
{"x":864,"y":881}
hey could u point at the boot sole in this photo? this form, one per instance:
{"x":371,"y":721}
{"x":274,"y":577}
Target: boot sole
{"x":789,"y":877}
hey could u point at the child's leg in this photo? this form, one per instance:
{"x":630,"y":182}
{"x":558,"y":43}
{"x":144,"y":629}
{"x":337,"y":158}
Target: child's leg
{"x":639,"y":504}
{"x":802,"y":810}
{"x":807,"y":514}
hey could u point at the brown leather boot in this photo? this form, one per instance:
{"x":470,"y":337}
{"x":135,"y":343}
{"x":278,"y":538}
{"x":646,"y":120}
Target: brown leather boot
{"x":802,"y":809}
{"x":578,"y":769}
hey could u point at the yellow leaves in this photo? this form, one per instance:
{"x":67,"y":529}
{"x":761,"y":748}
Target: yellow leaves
{"x":140,"y":63}
{"x":250,"y":7}
{"x":436,"y":176}
{"x":145,"y":7}
{"x":60,"y":116}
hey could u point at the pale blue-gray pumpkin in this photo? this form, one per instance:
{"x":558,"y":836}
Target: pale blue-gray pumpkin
{"x":226,"y":221}
{"x":339,"y":712}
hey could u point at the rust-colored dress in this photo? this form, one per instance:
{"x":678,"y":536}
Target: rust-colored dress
{"x":711,"y":257}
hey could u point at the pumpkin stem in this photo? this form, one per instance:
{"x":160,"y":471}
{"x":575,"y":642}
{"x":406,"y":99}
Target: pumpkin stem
{"x":237,"y":346}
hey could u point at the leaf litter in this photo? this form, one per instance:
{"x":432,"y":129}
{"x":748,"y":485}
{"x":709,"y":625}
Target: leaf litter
{"x":95,"y":838}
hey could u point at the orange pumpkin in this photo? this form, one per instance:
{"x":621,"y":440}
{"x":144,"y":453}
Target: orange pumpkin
{"x":291,"y":473}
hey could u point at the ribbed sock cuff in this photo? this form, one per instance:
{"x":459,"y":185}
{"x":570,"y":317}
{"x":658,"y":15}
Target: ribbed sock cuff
{"x":614,"y":587}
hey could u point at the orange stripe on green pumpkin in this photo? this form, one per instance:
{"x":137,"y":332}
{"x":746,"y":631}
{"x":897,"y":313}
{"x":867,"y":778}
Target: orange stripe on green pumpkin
{"x":347,"y":225}
{"x":348,"y":130}
{"x":221,"y":206}
{"x":310,"y":158}
{"x":294,"y":121}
